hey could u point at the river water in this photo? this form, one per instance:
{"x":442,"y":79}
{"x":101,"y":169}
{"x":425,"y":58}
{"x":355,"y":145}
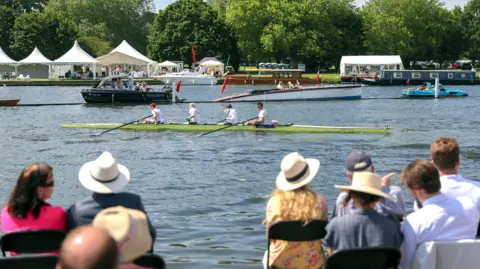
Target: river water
{"x":206,"y":196}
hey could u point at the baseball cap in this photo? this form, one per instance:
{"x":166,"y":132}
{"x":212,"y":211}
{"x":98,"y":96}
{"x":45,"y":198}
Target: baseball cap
{"x":358,"y":161}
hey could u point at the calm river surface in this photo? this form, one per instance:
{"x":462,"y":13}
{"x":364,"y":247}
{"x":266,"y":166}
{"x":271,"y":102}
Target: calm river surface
{"x":206,"y":196}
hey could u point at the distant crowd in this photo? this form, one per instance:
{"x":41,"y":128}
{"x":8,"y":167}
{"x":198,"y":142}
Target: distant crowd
{"x":110,"y":228}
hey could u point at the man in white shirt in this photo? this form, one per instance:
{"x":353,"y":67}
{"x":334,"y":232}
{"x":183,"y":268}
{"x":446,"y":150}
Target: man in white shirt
{"x":262,"y":116}
{"x":230,"y":115}
{"x":157,"y":116}
{"x":439,"y":217}
{"x":194,"y":115}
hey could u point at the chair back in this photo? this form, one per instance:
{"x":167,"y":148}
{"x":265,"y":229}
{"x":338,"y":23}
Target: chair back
{"x":33,"y":241}
{"x":47,"y":261}
{"x":150,"y":261}
{"x":447,"y":254}
{"x":296,"y":231}
{"x":364,"y":258}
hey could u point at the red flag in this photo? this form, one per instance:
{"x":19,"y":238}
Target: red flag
{"x":193,"y":54}
{"x":178,"y":86}
{"x":318,"y":79}
{"x":225,"y":84}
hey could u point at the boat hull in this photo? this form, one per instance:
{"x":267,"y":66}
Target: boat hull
{"x":249,"y":80}
{"x":12,"y":102}
{"x":187,"y":80}
{"x":407,"y":93}
{"x":211,"y":127}
{"x":314,"y":93}
{"x":125,"y":96}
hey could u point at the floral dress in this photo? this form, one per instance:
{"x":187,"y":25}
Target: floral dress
{"x":295,"y":255}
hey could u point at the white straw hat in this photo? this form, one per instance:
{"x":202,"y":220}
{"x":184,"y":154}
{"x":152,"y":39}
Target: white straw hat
{"x":129,"y":228}
{"x":296,"y":171}
{"x":104,"y":175}
{"x":366,"y":182}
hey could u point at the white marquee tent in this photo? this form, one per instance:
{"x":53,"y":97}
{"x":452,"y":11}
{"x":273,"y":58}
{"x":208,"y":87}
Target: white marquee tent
{"x":76,"y":55}
{"x":169,"y":65}
{"x":369,"y":64}
{"x":5,"y":60}
{"x":211,"y":65}
{"x":36,"y":57}
{"x":29,"y":65}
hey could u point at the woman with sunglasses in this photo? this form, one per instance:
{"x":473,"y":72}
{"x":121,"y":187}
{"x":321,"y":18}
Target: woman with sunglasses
{"x":27,"y":208}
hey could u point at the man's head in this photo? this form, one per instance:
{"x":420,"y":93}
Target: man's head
{"x":152,"y":106}
{"x":358,"y":162}
{"x":422,"y":179}
{"x":445,"y":153}
{"x":259,"y":105}
{"x":88,"y":247}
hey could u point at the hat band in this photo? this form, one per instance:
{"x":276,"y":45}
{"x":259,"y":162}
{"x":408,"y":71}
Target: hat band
{"x":131,"y":228}
{"x":299,"y":175}
{"x":105,"y":181}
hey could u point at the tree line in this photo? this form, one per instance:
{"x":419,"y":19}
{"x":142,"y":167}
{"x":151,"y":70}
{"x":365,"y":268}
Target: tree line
{"x":314,"y":32}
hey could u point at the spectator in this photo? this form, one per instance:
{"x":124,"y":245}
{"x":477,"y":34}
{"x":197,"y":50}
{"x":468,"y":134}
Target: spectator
{"x":439,"y":218}
{"x":105,"y":178}
{"x":129,"y":228}
{"x":27,"y":208}
{"x":294,"y":200}
{"x":364,"y":226}
{"x":359,"y":162}
{"x":87,"y":247}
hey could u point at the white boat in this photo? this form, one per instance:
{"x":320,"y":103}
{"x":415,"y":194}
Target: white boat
{"x":188,"y":77}
{"x":308,"y":93}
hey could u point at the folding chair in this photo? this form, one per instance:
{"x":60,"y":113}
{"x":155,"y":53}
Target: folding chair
{"x":33,"y":241}
{"x":296,"y":231}
{"x":47,"y":261}
{"x":150,"y":261}
{"x":364,"y":258}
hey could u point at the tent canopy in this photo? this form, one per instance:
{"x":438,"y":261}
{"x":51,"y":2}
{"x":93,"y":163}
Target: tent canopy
{"x":209,"y":59}
{"x":212,"y":63}
{"x":4,"y":59}
{"x":369,"y":60}
{"x":125,"y":54}
{"x":76,"y":55}
{"x":168,"y":64}
{"x":36,"y":57}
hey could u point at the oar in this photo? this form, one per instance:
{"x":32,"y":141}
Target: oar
{"x":118,"y":127}
{"x":225,"y":127}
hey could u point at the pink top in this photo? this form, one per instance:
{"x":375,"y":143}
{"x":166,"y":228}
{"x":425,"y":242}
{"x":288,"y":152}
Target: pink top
{"x":50,"y":218}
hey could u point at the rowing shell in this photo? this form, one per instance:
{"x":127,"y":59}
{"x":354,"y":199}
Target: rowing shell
{"x":212,"y":127}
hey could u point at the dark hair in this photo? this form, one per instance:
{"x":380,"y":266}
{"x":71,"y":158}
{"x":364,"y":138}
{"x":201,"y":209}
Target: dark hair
{"x":361,"y":198}
{"x":24,"y":197}
{"x":421,"y":174}
{"x":260,"y":104}
{"x":445,"y":153}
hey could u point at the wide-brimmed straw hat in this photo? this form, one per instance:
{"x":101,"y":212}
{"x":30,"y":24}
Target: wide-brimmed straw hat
{"x":296,"y":171}
{"x":104,"y":175}
{"x":366,"y":182}
{"x":129,"y":228}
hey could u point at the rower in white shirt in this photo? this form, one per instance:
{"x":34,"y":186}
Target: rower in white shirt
{"x":157,"y":116}
{"x":439,"y":217}
{"x":194,"y":115}
{"x":230,"y":115}
{"x":262,"y":116}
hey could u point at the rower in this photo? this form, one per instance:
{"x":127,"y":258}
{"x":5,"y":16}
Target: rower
{"x":194,"y":115}
{"x":230,"y":115}
{"x":262,"y":116}
{"x":157,"y":116}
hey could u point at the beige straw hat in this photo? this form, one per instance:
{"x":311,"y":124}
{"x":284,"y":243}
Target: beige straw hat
{"x":366,"y":182}
{"x":129,"y":228}
{"x":296,"y":171}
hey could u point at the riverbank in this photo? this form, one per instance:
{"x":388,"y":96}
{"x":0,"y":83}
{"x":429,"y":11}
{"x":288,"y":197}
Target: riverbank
{"x":326,"y":78}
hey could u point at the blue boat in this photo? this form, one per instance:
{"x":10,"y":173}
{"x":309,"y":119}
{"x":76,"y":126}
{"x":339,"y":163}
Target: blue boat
{"x":428,"y":91}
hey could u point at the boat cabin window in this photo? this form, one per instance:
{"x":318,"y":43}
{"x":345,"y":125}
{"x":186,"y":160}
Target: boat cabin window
{"x":416,"y":75}
{"x":450,"y":75}
{"x":433,"y":75}
{"x":398,"y":75}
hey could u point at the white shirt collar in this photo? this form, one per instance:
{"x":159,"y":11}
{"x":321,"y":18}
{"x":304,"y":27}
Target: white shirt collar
{"x":435,"y":199}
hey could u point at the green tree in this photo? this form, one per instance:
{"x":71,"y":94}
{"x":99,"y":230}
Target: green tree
{"x":188,"y":22}
{"x":220,"y":6}
{"x":116,"y":20}
{"x":21,"y":6}
{"x":7,"y":20}
{"x":414,"y":29}
{"x":53,"y":34}
{"x":470,"y":23}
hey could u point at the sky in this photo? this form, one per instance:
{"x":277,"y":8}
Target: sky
{"x":161,"y":4}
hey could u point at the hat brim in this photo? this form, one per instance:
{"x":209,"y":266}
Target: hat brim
{"x":284,"y":185}
{"x":94,"y":185}
{"x":364,"y":189}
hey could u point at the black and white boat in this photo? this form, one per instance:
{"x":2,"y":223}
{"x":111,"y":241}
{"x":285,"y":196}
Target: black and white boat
{"x":418,"y":77}
{"x":114,"y":89}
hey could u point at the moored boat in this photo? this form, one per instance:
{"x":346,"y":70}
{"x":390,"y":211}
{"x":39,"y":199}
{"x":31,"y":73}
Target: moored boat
{"x":427,"y":91}
{"x":277,"y":75}
{"x":418,"y":77}
{"x":211,"y":127}
{"x":11,"y":102}
{"x":307,"y":93}
{"x":113,"y":90}
{"x":188,"y":77}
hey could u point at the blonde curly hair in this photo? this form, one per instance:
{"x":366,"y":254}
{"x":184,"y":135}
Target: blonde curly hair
{"x":297,"y":204}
